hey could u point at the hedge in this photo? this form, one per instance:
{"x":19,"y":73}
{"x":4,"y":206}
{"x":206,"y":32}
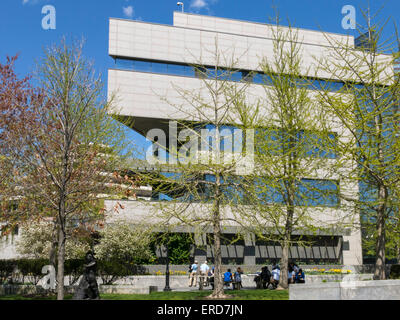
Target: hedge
{"x":395,"y":271}
{"x":15,"y":271}
{"x":7,"y":268}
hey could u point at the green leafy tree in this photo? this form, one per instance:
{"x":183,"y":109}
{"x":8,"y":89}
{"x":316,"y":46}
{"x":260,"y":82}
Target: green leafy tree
{"x":369,"y":111}
{"x":293,"y":140}
{"x":200,"y":186}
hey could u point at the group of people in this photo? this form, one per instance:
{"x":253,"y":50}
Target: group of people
{"x":206,"y":276}
{"x":264,"y":279}
{"x":204,"y":272}
{"x":267,"y":278}
{"x":235,"y":278}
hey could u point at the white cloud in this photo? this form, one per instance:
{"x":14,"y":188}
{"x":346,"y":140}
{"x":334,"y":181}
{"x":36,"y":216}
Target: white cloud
{"x":198,"y":4}
{"x":128,"y":11}
{"x":33,"y":2}
{"x":30,"y":1}
{"x":202,"y":4}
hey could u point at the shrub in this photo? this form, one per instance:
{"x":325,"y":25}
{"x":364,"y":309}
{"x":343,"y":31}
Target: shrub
{"x":395,"y":271}
{"x":123,"y":242}
{"x":7,"y":268}
{"x":111,"y":270}
{"x":31,"y":268}
{"x":36,"y":242}
{"x":74,"y":268}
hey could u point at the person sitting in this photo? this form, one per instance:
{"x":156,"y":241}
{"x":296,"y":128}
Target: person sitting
{"x":291,"y":274}
{"x":276,"y":272}
{"x":228,"y":278}
{"x":265,"y":277}
{"x":300,"y":277}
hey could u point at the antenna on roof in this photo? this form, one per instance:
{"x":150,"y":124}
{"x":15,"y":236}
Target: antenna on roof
{"x":180,"y":4}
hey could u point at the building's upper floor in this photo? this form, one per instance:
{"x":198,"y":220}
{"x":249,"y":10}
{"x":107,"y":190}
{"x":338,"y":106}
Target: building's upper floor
{"x":192,"y":39}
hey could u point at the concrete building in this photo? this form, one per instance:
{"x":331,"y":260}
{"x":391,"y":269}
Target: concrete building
{"x":151,"y":60}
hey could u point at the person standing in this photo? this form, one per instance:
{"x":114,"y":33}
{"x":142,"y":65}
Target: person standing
{"x":193,"y":274}
{"x":210,"y":278}
{"x":238,"y":278}
{"x":204,"y":268}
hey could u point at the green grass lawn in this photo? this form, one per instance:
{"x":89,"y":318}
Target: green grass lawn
{"x":177,"y":295}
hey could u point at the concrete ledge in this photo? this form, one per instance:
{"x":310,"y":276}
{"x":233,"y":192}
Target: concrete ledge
{"x":127,"y":289}
{"x":347,"y":290}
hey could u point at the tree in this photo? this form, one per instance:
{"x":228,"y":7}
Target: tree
{"x":370,"y":114}
{"x":293,"y":143}
{"x":199,"y":183}
{"x":37,"y":238}
{"x":122,"y":242}
{"x":15,"y":97}
{"x":70,"y":151}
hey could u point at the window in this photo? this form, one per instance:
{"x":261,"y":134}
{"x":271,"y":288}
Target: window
{"x":276,"y":142}
{"x":203,"y":72}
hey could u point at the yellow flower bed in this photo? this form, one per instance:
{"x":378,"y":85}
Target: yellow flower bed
{"x":176,"y":273}
{"x":325,"y":271}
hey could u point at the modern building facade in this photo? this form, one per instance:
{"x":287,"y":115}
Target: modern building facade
{"x":151,"y":60}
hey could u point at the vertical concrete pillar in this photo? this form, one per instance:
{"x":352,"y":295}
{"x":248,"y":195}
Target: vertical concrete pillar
{"x":200,"y":252}
{"x":249,"y":252}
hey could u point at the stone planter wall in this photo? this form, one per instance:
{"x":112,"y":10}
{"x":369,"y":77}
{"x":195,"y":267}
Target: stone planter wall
{"x":146,"y":284}
{"x":347,"y":290}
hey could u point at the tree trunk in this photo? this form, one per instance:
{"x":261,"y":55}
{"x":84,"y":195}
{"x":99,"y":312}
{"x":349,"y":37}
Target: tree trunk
{"x":398,"y":252}
{"x":61,"y":250}
{"x":218,"y":281}
{"x":283,"y":279}
{"x":285,"y":244}
{"x":60,"y":265}
{"x":54,"y":245}
{"x":218,"y":291}
{"x":380,"y":264}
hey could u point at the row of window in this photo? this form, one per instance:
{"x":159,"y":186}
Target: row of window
{"x":219,"y":73}
{"x":273,"y":140}
{"x":308,"y":192}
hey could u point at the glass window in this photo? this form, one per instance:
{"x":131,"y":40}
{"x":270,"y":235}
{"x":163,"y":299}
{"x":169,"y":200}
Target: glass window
{"x":313,"y":192}
{"x":124,"y":64}
{"x":176,"y":69}
{"x":219,"y":73}
{"x":159,"y":67}
{"x":143,"y":66}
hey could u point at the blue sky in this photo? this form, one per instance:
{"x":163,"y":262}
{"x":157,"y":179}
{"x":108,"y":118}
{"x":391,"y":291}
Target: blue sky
{"x":21,"y":21}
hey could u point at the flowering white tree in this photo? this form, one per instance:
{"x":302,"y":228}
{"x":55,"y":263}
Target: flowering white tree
{"x":124,"y":242}
{"x":37,"y":238}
